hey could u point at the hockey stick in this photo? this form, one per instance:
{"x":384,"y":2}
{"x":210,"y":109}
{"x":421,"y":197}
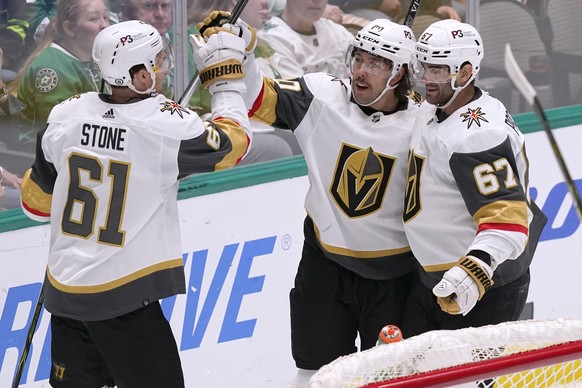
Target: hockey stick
{"x":29,"y":335}
{"x":411,"y":14}
{"x":529,"y":93}
{"x":195,"y":81}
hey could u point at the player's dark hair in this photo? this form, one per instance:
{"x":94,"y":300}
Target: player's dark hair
{"x":405,"y":85}
{"x":135,"y":69}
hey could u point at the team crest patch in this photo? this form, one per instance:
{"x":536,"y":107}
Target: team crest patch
{"x":46,"y":80}
{"x":173,"y":107}
{"x":360,"y":180}
{"x":474,"y":116}
{"x":58,"y":371}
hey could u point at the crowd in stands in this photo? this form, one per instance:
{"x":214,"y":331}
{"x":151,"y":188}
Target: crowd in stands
{"x":45,"y":56}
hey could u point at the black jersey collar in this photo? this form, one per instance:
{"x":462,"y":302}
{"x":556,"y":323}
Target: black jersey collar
{"x":402,"y":105}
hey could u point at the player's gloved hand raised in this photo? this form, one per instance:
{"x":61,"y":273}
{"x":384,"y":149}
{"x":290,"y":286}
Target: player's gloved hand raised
{"x":219,"y":63}
{"x":463,"y":285}
{"x":219,"y":21}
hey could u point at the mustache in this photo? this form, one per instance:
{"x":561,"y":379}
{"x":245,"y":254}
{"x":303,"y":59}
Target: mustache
{"x":361,"y":80}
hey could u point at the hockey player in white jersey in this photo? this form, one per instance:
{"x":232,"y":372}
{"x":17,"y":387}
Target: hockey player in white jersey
{"x":468,"y":216}
{"x":356,"y":267}
{"x":106,"y":177}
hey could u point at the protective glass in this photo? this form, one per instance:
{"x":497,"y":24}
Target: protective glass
{"x":427,"y":73}
{"x":156,"y":6}
{"x":371,"y":64}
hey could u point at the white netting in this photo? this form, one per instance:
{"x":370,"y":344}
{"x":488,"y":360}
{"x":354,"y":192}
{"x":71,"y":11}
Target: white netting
{"x":448,"y":348}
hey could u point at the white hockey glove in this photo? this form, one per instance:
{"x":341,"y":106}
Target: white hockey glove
{"x":219,"y":21}
{"x":463,"y":285}
{"x":219,"y":63}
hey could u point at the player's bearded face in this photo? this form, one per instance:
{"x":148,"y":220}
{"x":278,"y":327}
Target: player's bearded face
{"x":438,"y":94}
{"x":369,"y":76}
{"x":437,"y":80}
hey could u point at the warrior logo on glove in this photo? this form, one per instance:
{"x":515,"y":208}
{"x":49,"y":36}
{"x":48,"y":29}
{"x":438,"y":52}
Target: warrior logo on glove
{"x":481,"y":277}
{"x":226,"y":70}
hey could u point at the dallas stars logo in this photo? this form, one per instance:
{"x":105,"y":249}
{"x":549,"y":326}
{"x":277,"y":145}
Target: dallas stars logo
{"x":474,"y":116}
{"x":173,"y":107}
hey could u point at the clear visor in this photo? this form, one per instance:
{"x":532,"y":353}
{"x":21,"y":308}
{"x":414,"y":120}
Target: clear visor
{"x":164,"y":59}
{"x":361,"y":61}
{"x":427,"y":73}
{"x":163,"y":64}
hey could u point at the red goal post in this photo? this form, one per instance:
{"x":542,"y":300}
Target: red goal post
{"x":531,"y":353}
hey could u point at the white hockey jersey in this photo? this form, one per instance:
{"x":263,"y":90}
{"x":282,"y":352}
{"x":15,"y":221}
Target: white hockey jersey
{"x":106,"y":177}
{"x":467,"y":191}
{"x":357,"y":170}
{"x":299,"y":54}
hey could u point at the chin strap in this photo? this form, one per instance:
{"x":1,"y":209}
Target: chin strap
{"x":457,"y":90}
{"x":382,"y":93}
{"x":148,"y":90}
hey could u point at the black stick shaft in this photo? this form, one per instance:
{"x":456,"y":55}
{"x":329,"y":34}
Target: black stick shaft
{"x":411,"y":14}
{"x":28,"y":342}
{"x":559,"y":157}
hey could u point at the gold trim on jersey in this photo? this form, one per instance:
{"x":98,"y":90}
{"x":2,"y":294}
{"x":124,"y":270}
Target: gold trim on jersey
{"x":503,"y":212}
{"x":266,"y":111}
{"x":439,"y":267}
{"x":35,"y":199}
{"x":359,"y":254}
{"x":412,"y":199}
{"x":175,"y":263}
{"x":238,"y":138}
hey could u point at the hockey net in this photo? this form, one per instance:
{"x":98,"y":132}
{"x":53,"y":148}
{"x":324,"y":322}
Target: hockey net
{"x":531,"y":353}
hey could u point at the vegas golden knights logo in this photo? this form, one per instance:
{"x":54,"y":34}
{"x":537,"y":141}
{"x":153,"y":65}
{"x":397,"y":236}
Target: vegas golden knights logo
{"x":360,"y":180}
{"x":58,"y":371}
{"x":412,"y":203}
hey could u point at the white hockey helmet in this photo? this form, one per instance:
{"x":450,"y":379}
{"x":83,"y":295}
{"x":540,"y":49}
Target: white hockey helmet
{"x":452,"y":43}
{"x":385,"y":39}
{"x":121,"y":46}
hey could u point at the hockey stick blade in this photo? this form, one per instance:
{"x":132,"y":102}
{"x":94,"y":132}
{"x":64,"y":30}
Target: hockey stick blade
{"x":529,"y":93}
{"x":195,"y":81}
{"x":28,"y":341}
{"x":517,"y":76}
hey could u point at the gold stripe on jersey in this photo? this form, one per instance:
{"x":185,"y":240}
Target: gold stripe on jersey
{"x":360,"y":254}
{"x":504,"y":212}
{"x":33,"y":197}
{"x":93,"y":289}
{"x":238,"y":139}
{"x":264,"y":107}
{"x":439,"y":267}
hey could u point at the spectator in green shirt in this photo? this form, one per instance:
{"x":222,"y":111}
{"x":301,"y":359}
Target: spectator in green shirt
{"x":61,"y":65}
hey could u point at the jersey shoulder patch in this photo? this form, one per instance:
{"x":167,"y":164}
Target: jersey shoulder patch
{"x":46,"y":80}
